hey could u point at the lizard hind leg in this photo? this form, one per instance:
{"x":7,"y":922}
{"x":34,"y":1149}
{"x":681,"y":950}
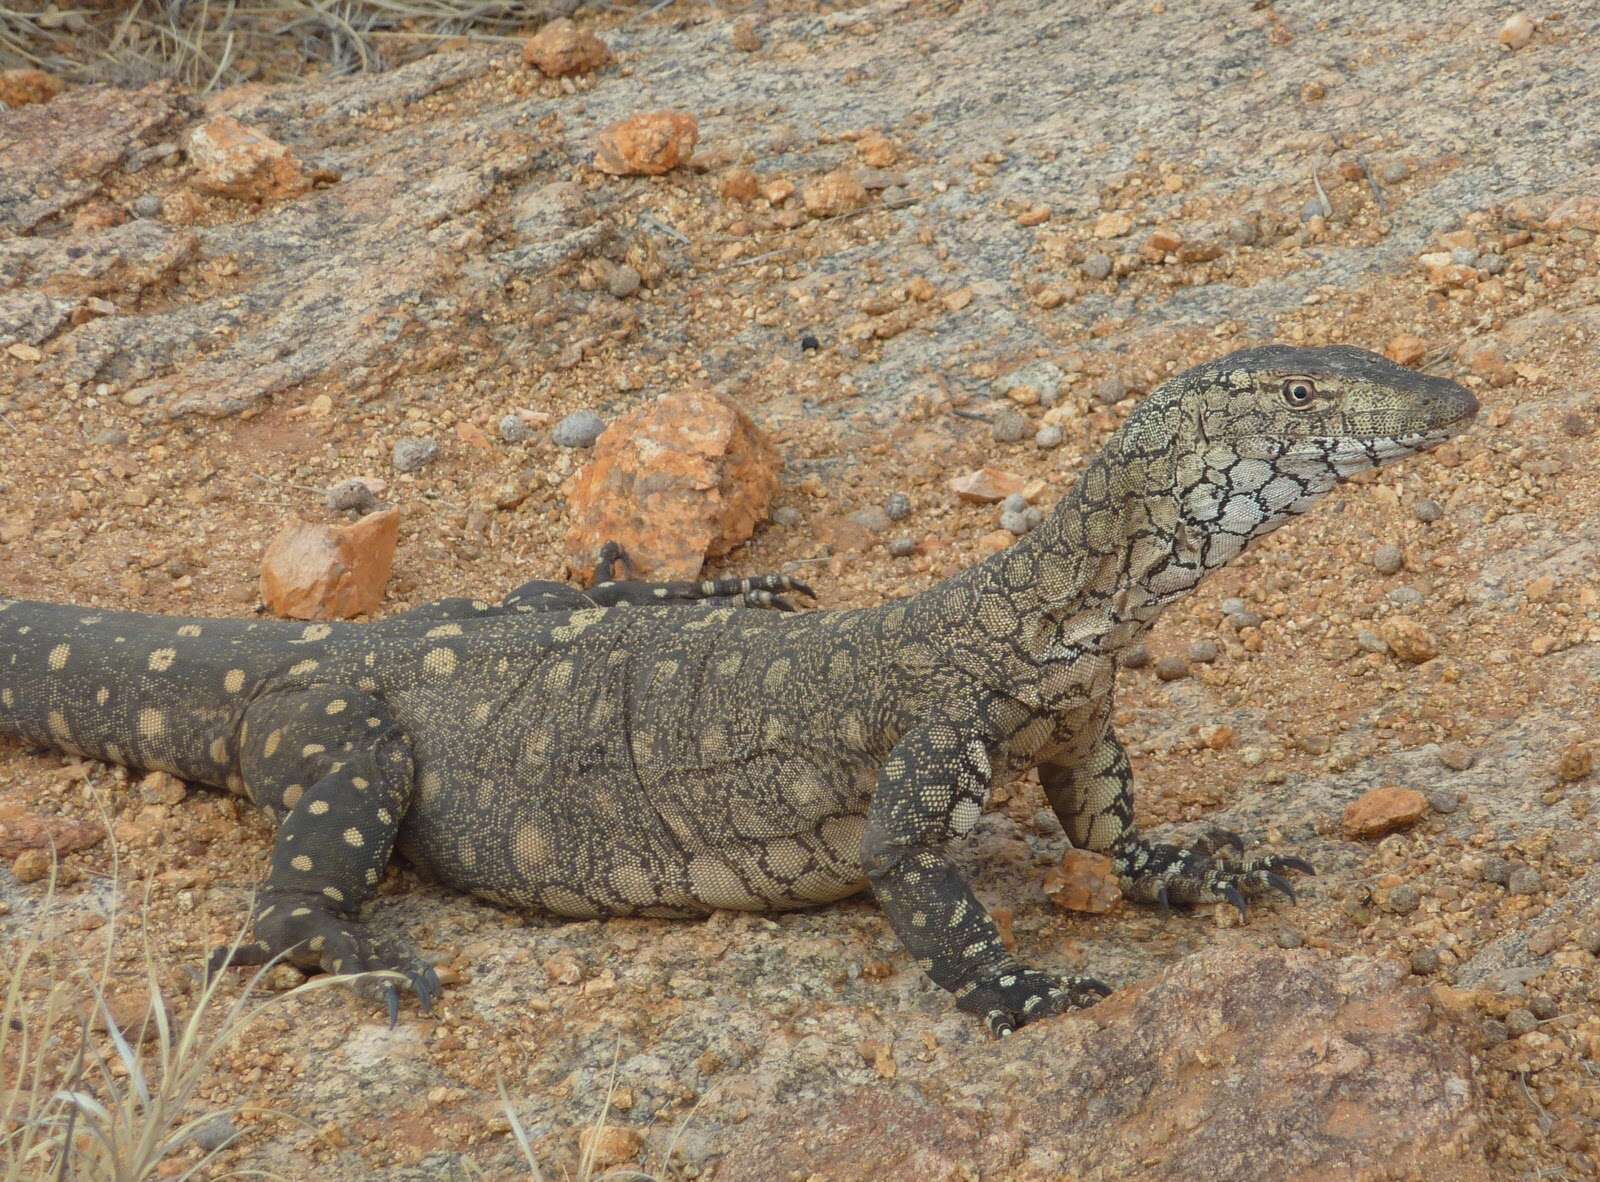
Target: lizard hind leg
{"x":334,"y":768}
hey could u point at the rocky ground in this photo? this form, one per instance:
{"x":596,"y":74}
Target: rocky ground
{"x":998,"y":224}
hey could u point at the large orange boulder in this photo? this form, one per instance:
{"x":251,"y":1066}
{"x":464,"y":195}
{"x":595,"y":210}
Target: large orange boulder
{"x":679,"y":480}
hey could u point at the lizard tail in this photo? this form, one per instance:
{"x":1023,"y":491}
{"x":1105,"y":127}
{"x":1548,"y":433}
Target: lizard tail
{"x":111,"y":686}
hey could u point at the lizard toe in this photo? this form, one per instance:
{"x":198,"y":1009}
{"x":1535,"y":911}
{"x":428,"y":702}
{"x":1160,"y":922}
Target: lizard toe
{"x":1013,"y":999}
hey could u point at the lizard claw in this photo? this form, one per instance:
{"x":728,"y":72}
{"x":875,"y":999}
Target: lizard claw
{"x":1231,"y":894}
{"x":391,"y":999}
{"x":1163,"y":900}
{"x":1279,"y":883}
{"x":1285,"y":862}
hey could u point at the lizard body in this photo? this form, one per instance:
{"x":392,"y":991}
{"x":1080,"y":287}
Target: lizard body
{"x":671,"y":751}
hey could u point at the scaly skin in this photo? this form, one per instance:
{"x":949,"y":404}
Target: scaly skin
{"x":630,"y":759}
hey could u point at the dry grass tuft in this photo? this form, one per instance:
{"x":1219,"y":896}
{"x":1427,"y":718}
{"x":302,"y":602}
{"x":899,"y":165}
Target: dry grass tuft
{"x":86,"y":1095}
{"x":209,"y":43}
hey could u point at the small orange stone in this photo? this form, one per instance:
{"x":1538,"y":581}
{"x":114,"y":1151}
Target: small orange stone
{"x":561,"y":48}
{"x":1084,"y":881}
{"x":647,"y":145}
{"x":1405,"y":349}
{"x":1383,"y":810}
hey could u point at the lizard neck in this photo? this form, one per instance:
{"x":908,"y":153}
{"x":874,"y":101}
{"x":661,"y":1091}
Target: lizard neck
{"x":1085,"y":584}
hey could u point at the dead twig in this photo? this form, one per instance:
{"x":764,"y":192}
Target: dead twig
{"x":1327,"y":206}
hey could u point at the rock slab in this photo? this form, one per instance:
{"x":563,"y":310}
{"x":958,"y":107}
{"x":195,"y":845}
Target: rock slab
{"x":321,"y":572}
{"x":1233,"y":1063}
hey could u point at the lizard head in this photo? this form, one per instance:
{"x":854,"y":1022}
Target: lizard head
{"x":1262,"y":434}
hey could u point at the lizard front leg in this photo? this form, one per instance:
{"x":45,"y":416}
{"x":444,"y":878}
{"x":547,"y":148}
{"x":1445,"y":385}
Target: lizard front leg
{"x":333,"y":767}
{"x":931,"y":789}
{"x":1092,"y":797}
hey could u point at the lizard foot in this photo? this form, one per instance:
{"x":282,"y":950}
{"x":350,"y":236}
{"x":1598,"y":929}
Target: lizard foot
{"x":1202,"y":873}
{"x":1014,"y":998}
{"x":311,"y":935}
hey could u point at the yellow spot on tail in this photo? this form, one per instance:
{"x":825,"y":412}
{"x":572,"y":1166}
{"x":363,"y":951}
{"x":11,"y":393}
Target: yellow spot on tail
{"x":292,"y":795}
{"x":352,"y":837}
{"x":189,"y":630}
{"x":102,"y":696}
{"x":334,"y":893}
{"x":359,"y":782}
{"x":301,"y":863}
{"x":58,"y":657}
{"x":303,"y":668}
{"x":7,"y":698}
{"x":439,"y":662}
{"x":58,"y":727}
{"x":318,"y":808}
{"x":336,"y":706}
{"x":315,"y":632}
{"x":234,"y":681}
{"x":271,"y":746}
{"x":311,"y":749}
{"x":443,"y":630}
{"x":219,"y":750}
{"x":161,"y":660}
{"x":152,"y":723}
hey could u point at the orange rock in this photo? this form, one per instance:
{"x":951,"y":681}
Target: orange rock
{"x":740,"y":184}
{"x":1084,"y":881}
{"x":1576,"y":762}
{"x":1405,"y":349}
{"x":840,"y":191}
{"x":988,"y":486}
{"x":1162,"y":242}
{"x":18,"y":88}
{"x":561,"y":48}
{"x":1383,"y":810}
{"x":1489,"y":362}
{"x":21,"y":831}
{"x":679,"y":480}
{"x":1409,"y":640}
{"x":233,"y":160}
{"x":1112,"y":225}
{"x":647,"y":145}
{"x":877,"y":150}
{"x":610,"y":1145}
{"x":322,"y":572}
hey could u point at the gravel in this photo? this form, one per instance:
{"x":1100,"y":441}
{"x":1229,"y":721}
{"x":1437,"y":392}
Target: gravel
{"x":147,"y":205}
{"x":1097,"y":266}
{"x":579,"y":429}
{"x":897,"y":507}
{"x":515,"y":429}
{"x":354,"y":495}
{"x":1427,"y":510}
{"x":1524,"y":880}
{"x":902,"y":547}
{"x":1048,"y":436}
{"x":1009,"y":426}
{"x":1388,"y":559}
{"x":1172,"y":668}
{"x":1111,"y":390}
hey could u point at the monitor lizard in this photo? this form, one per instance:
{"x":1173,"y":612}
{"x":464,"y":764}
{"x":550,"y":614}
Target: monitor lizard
{"x":666,"y":750}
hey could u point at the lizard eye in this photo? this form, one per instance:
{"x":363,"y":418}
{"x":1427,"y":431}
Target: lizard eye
{"x":1299,"y":393}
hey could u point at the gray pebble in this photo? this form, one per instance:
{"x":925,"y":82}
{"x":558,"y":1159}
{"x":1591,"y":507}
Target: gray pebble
{"x":1464,"y":256}
{"x":1441,"y":801}
{"x":1242,"y":231}
{"x":1289,"y":938}
{"x":1589,"y":941}
{"x":1493,"y":264}
{"x":1524,"y":880}
{"x":411,"y":455}
{"x":1494,"y":1031}
{"x":1136,"y":657}
{"x":1394,"y":171}
{"x":1405,"y":597}
{"x":1015,"y":503}
{"x":1312,"y":209}
{"x":1009,"y":427}
{"x":1497,"y":870}
{"x":1048,"y":436}
{"x":902,"y":547}
{"x":1097,"y":266}
{"x":147,"y":206}
{"x":350,"y":495}
{"x":786,"y":515}
{"x":897,"y":507}
{"x":1033,"y":516}
{"x":1203,"y":651}
{"x":1543,"y":1006}
{"x":579,"y":429}
{"x":1404,"y":899}
{"x":1245,"y":619}
{"x":515,"y":429}
{"x":1109,"y":391}
{"x":1017,"y":523}
{"x":1369,"y":641}
{"x":1172,"y":668}
{"x":215,"y":1133}
{"x":1520,"y":1022}
{"x":623,"y":281}
{"x":1427,"y":510}
{"x":873,"y":518}
{"x":1233,"y":605}
{"x":1424,"y":961}
{"x":113,"y":437}
{"x":1388,"y":559}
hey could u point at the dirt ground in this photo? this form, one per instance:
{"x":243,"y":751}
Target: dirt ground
{"x":1306,"y":197}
